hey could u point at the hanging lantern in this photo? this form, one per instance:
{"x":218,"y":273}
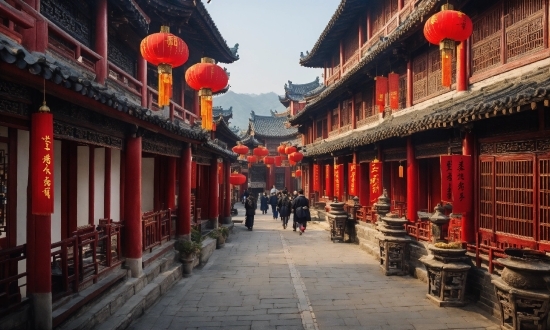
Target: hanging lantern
{"x":260,"y":152}
{"x":237,"y":179}
{"x":293,"y":174}
{"x":444,"y":29}
{"x":290,"y":149}
{"x":278,"y":160}
{"x":296,"y":156}
{"x":281,"y":149}
{"x":240,"y":149}
{"x":298,"y":173}
{"x":269,"y":160}
{"x":207,"y":78}
{"x":166,"y":51}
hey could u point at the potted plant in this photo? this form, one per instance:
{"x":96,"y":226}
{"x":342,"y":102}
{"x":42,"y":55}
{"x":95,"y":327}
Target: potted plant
{"x":218,"y":236}
{"x":188,"y":251}
{"x":225,"y":232}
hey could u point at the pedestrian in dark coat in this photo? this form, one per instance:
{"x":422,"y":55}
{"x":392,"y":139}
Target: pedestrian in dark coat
{"x":284,"y":209}
{"x":264,"y":203}
{"x":250,"y":207}
{"x":300,"y":208}
{"x":273,"y":202}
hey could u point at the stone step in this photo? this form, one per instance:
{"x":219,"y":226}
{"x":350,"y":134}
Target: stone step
{"x":134,"y":307}
{"x":101,"y":309}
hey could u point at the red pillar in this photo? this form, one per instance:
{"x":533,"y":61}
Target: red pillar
{"x":227,"y":193}
{"x":171,"y":184}
{"x":461,"y":76}
{"x":107,"y":185}
{"x":409,"y":99}
{"x":101,"y":28}
{"x":468,"y":226}
{"x":412,"y":182}
{"x":142,"y":77}
{"x":214,"y":201}
{"x":184,"y":202}
{"x":353,"y":117}
{"x":132,"y":205}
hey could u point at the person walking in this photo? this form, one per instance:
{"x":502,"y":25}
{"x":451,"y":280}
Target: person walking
{"x":273,"y":190}
{"x":264,"y":203}
{"x":245,"y":196}
{"x":273,"y":202}
{"x":250,"y":207}
{"x":284,"y":208}
{"x":300,"y":208}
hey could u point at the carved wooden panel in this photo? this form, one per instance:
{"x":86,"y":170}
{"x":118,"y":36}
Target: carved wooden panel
{"x":525,"y":37}
{"x":74,"y":17}
{"x":544,"y":199}
{"x":403,"y":91}
{"x":420,"y":77}
{"x":368,"y":96}
{"x":351,"y":42}
{"x":121,"y":55}
{"x":486,"y":193}
{"x":486,"y":39}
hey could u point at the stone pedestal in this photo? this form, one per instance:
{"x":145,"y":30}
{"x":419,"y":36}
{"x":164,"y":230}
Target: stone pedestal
{"x":447,"y":273}
{"x":523,"y":297}
{"x":393,"y":242}
{"x":337,"y":218}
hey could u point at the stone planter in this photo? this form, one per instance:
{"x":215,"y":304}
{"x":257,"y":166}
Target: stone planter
{"x":220,"y":242}
{"x":393,"y":242}
{"x":447,"y":272}
{"x":522,"y":291}
{"x":187,"y":263}
{"x":337,"y":218}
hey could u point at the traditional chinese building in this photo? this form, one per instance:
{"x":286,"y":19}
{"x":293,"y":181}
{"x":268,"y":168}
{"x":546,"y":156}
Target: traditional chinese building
{"x":119,"y":169}
{"x":488,"y":132}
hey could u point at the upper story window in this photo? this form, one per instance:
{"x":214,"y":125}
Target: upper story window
{"x":351,"y":43}
{"x":382,"y":14}
{"x":74,"y":17}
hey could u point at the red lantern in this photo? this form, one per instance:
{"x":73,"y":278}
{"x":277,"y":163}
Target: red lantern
{"x":240,"y":149}
{"x":298,"y":173}
{"x":260,"y":152}
{"x":268,"y":160}
{"x":296,"y":156}
{"x":281,"y":149}
{"x":290,"y":149}
{"x":251,"y":159}
{"x":278,"y":160}
{"x":237,"y":179}
{"x":207,"y":78}
{"x":443,"y":29}
{"x":166,"y":51}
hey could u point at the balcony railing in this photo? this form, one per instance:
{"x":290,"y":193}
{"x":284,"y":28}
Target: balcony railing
{"x":126,"y":80}
{"x":12,"y":281}
{"x":351,"y":62}
{"x":335,"y":76}
{"x":156,"y":228}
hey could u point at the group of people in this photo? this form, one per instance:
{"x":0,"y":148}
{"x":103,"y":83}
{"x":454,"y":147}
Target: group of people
{"x":283,"y":204}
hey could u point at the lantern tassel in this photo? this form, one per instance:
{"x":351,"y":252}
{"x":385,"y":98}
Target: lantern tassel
{"x":400,"y":170}
{"x":206,"y":108}
{"x":165,"y":84}
{"x":446,"y":47}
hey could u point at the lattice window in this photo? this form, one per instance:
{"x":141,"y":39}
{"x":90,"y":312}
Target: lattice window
{"x":358,"y":107}
{"x":403,"y":91}
{"x":377,"y":18}
{"x":486,"y":196}
{"x":420,"y":77}
{"x":74,"y":17}
{"x":335,"y":119}
{"x":544,"y":199}
{"x":514,"y":196}
{"x":351,"y":43}
{"x":524,"y":27}
{"x":486,"y":40}
{"x":368,"y":108}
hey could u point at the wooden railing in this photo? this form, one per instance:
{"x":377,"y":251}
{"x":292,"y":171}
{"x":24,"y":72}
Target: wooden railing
{"x":366,"y":214}
{"x":125,"y":79}
{"x":351,"y":62}
{"x":65,"y":260}
{"x":156,"y":228}
{"x":13,"y":15}
{"x":179,"y":112}
{"x":12,"y":280}
{"x":109,"y":247}
{"x":421,"y":230}
{"x":335,"y":76}
{"x":368,"y":120}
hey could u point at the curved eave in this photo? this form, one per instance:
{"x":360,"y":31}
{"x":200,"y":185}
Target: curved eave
{"x":330,"y":37}
{"x":224,"y":129}
{"x":211,"y":146}
{"x":368,"y":59}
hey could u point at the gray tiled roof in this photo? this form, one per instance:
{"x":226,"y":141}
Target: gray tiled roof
{"x":297,"y":92}
{"x":225,"y":113}
{"x":270,"y":126}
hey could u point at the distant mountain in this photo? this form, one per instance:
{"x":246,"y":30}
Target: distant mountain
{"x":244,"y":103}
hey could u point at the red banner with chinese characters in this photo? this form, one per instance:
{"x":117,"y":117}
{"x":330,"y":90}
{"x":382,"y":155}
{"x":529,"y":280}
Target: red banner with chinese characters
{"x":446,"y":163}
{"x":381,"y":90}
{"x":352,"y":179}
{"x":338,"y":181}
{"x":316,"y":178}
{"x":393,"y":84}
{"x":42,"y":165}
{"x":193,"y":175}
{"x":462,"y":184}
{"x":328,"y":180}
{"x":375,"y":180}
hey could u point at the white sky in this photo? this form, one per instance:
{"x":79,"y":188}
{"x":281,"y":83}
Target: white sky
{"x":271,"y":34}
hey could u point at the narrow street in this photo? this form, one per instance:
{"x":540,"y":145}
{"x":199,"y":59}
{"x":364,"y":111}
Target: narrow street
{"x":272,"y":278}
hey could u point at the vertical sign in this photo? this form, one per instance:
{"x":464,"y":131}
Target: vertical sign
{"x":42,"y":166}
{"x":462,"y":184}
{"x":446,"y":164}
{"x":393,"y":84}
{"x":375,"y":180}
{"x":338,"y":184}
{"x":352,"y":177}
{"x":381,"y":90}
{"x":328,"y":180}
{"x":193,"y":175}
{"x":316,"y":178}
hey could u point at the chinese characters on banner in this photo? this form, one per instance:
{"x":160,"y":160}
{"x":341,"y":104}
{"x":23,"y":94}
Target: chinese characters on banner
{"x":352,"y":176}
{"x":462,"y":184}
{"x":393,"y":83}
{"x":381,"y":91}
{"x":338,"y":184}
{"x":446,"y":164}
{"x":316,"y":178}
{"x":42,"y":163}
{"x":193,"y":175}
{"x":328,"y":180}
{"x":375,"y":180}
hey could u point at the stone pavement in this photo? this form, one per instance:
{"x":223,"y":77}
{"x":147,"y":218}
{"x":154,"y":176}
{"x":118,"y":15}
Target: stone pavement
{"x":271,"y":278}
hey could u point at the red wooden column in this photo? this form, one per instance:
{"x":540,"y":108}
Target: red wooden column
{"x":461,"y":72}
{"x":468,"y":226}
{"x":171,"y":183}
{"x":39,"y":279}
{"x":409,"y":99}
{"x":353,"y":117}
{"x":412,"y":182}
{"x":184,"y":202}
{"x":142,"y":77}
{"x":101,"y":28}
{"x":227,"y":193}
{"x":214,"y":193}
{"x":107,"y":184}
{"x":132,"y":205}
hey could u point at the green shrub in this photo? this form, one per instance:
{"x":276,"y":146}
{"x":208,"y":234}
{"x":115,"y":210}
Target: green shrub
{"x":185,"y":247}
{"x":224,"y":231}
{"x":215,"y":233}
{"x":196,"y":236}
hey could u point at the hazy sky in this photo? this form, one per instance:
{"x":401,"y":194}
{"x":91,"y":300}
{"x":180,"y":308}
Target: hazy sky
{"x":271,"y":34}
